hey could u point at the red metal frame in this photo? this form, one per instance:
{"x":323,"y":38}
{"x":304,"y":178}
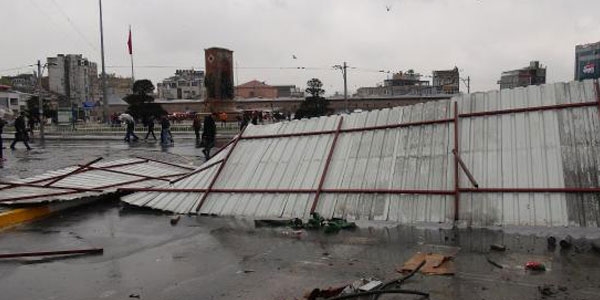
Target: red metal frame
{"x":597,"y":89}
{"x":125,"y":164}
{"x":165,"y":163}
{"x":223,"y":147}
{"x":566,"y":190}
{"x":528,"y":109}
{"x":221,"y":166}
{"x":126,"y":173}
{"x":463,"y":166}
{"x":456,"y":175}
{"x":198,"y":170}
{"x":81,"y":168}
{"x":326,"y":168}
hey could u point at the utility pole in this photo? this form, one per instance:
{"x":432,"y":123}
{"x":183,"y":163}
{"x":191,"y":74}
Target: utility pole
{"x":40,"y":101}
{"x":346,"y":89}
{"x":104,"y":92}
{"x":344,"y":68}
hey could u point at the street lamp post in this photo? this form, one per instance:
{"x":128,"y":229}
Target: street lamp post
{"x":39,"y":94}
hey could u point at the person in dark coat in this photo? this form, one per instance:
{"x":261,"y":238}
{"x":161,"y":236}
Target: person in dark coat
{"x":20,"y":132}
{"x":130,"y":131}
{"x":2,"y":123}
{"x":150,"y":128}
{"x":165,"y":131}
{"x":197,"y":125}
{"x":245,"y":121}
{"x":208,"y":135}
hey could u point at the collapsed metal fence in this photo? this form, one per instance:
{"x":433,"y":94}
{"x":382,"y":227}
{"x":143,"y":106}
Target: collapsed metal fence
{"x":211,"y":175}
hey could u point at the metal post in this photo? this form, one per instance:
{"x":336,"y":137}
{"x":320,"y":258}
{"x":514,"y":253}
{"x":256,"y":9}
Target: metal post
{"x":326,"y":168}
{"x":468,"y":84}
{"x":345,"y":88}
{"x":456,"y":174}
{"x":40,"y":101}
{"x":104,"y":92}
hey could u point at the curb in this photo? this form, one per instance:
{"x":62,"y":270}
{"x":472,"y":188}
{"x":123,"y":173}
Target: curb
{"x":17,"y":216}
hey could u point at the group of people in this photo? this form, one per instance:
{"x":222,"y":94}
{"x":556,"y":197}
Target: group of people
{"x":207,"y":141}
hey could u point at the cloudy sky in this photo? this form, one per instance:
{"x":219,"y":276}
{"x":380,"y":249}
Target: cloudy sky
{"x":481,"y":37}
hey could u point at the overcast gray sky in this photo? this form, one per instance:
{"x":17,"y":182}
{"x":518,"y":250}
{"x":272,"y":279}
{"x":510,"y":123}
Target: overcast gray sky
{"x":481,"y":37}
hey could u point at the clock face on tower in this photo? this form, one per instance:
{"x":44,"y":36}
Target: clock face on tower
{"x":211,"y":58}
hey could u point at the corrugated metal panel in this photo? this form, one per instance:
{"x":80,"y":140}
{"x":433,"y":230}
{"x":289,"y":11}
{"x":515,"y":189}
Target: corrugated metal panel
{"x":134,"y":169}
{"x":549,"y":148}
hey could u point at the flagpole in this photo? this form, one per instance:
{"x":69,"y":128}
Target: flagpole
{"x":131,"y":56}
{"x":103,"y":81}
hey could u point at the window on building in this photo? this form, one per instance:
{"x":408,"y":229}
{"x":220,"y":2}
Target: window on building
{"x":195,"y":83}
{"x":251,"y":95}
{"x":14,"y":101}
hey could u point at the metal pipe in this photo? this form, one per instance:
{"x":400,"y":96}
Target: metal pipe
{"x":565,"y":190}
{"x":528,"y":109}
{"x":80,"y":169}
{"x":123,"y":164}
{"x":465,"y":169}
{"x":126,"y":173}
{"x":198,"y":170}
{"x":597,"y":90}
{"x":456,"y":175}
{"x":221,"y":166}
{"x":326,"y":168}
{"x":49,"y":253}
{"x":165,"y":163}
{"x":292,"y":191}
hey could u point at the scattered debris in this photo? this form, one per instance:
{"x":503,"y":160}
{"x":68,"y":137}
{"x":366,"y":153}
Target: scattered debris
{"x":435,"y":264}
{"x":493,"y":263}
{"x":137,"y":296}
{"x":245,"y":271}
{"x":370,"y":285}
{"x":175,"y":219}
{"x":49,"y":253}
{"x":498,"y":247}
{"x":535,"y":266}
{"x":316,"y":222}
{"x":566,"y":243}
{"x":327,"y":293}
{"x":367,"y":287}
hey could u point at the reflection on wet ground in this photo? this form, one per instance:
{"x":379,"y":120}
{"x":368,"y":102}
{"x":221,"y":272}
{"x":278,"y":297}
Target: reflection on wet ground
{"x":223,"y":258}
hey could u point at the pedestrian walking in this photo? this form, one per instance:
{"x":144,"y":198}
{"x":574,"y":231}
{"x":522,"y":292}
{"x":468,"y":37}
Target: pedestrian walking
{"x":150,"y":128}
{"x":197,"y":125}
{"x":20,"y":132}
{"x":255,"y":118}
{"x":165,"y":131}
{"x":2,"y":123}
{"x":245,"y":121}
{"x":208,"y":135}
{"x":130,"y":131}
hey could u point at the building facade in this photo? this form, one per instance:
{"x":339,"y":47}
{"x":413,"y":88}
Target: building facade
{"x":447,"y":81}
{"x":186,"y":84}
{"x":219,"y":73}
{"x":26,"y":83}
{"x":11,"y":101}
{"x":255,"y":89}
{"x":401,"y":84}
{"x":587,"y":61}
{"x":73,"y":76}
{"x":534,"y":74}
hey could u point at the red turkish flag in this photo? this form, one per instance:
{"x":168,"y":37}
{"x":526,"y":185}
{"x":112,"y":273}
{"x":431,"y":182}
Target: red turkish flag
{"x":129,"y":44}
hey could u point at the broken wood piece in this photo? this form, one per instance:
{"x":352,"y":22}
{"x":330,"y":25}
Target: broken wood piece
{"x":49,"y":253}
{"x":435,"y":264}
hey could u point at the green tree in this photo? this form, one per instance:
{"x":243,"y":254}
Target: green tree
{"x":314,"y":105}
{"x":141,"y":104}
{"x":33,"y":109}
{"x":315,"y":87}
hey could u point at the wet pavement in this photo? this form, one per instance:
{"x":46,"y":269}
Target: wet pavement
{"x":222,"y":258}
